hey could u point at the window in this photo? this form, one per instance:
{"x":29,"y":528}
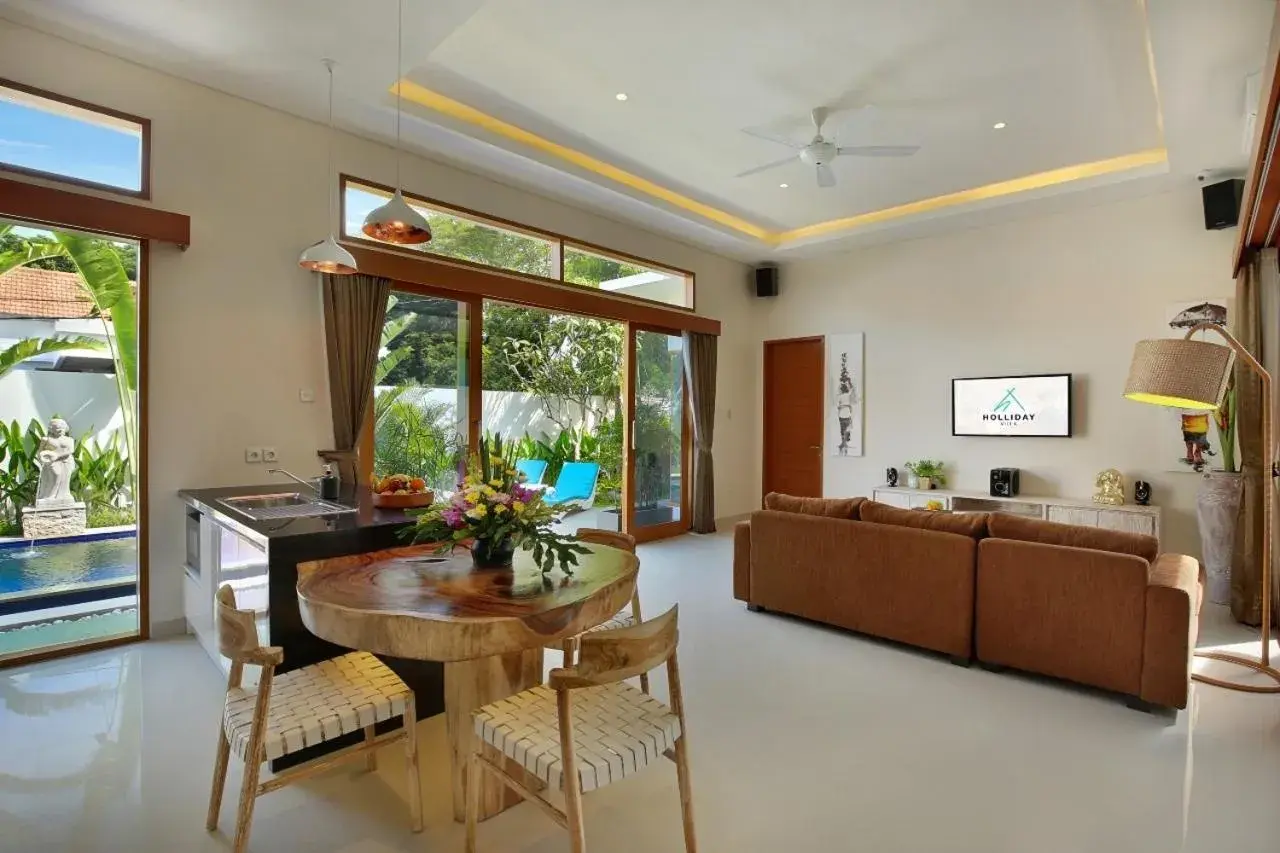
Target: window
{"x":476,"y":239}
{"x":41,"y":134}
{"x":624,"y":277}
{"x":458,"y":237}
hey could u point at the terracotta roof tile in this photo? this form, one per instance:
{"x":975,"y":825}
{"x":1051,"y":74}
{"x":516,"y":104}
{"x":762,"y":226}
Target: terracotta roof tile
{"x":28,"y":292}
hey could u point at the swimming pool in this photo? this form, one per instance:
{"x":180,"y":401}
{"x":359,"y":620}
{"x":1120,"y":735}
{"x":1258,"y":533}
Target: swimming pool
{"x":60,"y":564}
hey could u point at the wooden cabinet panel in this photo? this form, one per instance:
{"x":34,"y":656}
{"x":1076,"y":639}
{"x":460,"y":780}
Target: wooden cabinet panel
{"x":1129,"y":522}
{"x":1085,"y":516}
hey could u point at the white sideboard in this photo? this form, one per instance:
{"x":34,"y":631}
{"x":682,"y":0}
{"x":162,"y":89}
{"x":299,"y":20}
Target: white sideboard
{"x":1130,"y":518}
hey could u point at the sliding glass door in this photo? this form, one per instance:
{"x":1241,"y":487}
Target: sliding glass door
{"x":657,"y":493}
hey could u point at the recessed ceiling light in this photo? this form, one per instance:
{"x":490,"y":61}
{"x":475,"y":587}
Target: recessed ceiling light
{"x":621,"y":96}
{"x":998,"y":126}
{"x":783,"y":186}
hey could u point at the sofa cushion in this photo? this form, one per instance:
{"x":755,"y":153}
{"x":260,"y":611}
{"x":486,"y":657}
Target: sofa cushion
{"x":971,"y":524}
{"x":1004,"y":526}
{"x":825,"y":507}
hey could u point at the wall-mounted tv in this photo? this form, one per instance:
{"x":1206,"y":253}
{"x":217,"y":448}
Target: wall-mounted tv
{"x":1025,"y":406}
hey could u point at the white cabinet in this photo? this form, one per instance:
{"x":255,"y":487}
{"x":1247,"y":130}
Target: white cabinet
{"x":1128,"y":518}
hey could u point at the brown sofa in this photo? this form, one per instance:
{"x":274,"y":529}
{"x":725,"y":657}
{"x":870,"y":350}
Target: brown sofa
{"x":1098,"y":607}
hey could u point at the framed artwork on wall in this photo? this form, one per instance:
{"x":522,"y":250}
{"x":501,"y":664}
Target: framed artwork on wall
{"x":845,"y":397}
{"x":1191,"y":438}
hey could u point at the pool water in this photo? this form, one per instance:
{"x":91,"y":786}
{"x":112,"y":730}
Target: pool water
{"x":25,"y":567}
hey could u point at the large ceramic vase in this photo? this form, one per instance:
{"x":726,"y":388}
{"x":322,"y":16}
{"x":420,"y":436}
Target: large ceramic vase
{"x":1217,"y":509}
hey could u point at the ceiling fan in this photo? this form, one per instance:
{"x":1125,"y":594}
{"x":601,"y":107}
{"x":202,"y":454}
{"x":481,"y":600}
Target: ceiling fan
{"x":820,"y":152}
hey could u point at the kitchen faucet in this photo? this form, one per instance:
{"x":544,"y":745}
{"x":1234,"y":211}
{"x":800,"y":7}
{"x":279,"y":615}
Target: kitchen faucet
{"x":310,"y":485}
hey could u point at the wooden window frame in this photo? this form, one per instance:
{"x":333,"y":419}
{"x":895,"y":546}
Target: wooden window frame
{"x":144,"y":125}
{"x":558,"y":240}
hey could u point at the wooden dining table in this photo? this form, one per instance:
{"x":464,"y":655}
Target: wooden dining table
{"x":487,"y":626}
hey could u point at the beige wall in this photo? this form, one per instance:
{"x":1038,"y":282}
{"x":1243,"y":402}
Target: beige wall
{"x":235,"y":324}
{"x":1069,"y":292}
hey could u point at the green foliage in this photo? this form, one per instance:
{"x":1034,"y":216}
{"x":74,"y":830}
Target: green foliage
{"x":418,"y":439}
{"x":101,"y":477}
{"x":591,"y":270}
{"x":19,"y":471}
{"x":573,"y":367}
{"x":931,"y":468}
{"x":32,"y":347}
{"x":111,"y":516}
{"x":56,"y":260}
{"x":1225,"y":421}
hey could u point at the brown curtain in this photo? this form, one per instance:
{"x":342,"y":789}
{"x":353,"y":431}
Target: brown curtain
{"x":355,"y":307}
{"x":700,"y":376}
{"x":1258,"y":280}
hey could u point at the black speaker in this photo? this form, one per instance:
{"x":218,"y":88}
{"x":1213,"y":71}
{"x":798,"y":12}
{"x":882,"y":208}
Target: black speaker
{"x":766,"y":281}
{"x":1004,"y":482}
{"x":1222,"y":204}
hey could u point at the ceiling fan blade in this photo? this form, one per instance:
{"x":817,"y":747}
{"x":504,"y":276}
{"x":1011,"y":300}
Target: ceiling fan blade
{"x":877,"y":150}
{"x":826,"y":177}
{"x":769,"y":137}
{"x":767,"y":166}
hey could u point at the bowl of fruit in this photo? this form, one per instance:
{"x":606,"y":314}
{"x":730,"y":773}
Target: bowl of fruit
{"x":400,"y":491}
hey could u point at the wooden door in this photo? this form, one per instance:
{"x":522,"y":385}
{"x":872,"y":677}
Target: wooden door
{"x":793,"y":389}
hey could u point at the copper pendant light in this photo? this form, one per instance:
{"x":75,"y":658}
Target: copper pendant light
{"x":396,"y":221}
{"x":327,"y":255}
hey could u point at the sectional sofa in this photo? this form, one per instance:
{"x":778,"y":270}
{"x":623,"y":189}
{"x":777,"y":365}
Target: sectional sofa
{"x":1098,"y":607}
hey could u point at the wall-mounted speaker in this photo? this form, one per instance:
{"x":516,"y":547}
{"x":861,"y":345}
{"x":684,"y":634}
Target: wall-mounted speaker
{"x":766,"y":281}
{"x":1222,"y":204}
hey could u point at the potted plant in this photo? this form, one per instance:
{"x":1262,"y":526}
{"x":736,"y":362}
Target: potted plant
{"x":928,"y":473}
{"x":495,"y":514}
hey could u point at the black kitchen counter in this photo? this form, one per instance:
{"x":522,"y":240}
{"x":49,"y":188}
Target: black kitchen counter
{"x":366,"y":515}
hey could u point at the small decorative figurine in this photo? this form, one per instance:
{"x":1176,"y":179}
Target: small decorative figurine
{"x":891,"y":476}
{"x":1142,"y":493}
{"x":1110,"y":488}
{"x":55,"y":457}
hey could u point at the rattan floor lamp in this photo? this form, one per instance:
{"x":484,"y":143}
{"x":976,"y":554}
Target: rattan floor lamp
{"x":1187,"y":374}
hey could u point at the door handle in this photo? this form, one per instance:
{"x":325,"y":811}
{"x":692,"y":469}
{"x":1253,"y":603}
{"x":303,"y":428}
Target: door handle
{"x":817,"y":447}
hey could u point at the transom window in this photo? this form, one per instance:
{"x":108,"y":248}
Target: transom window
{"x":467,"y":236}
{"x":60,"y":138}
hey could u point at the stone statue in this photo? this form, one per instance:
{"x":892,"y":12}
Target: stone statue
{"x":1110,"y":485}
{"x":55,"y":456}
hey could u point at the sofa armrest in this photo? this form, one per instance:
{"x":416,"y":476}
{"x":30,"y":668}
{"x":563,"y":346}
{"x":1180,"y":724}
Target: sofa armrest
{"x":1173,"y":602}
{"x":742,"y":561}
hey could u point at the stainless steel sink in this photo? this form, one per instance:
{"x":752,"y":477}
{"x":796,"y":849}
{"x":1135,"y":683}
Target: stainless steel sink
{"x":282,"y":505}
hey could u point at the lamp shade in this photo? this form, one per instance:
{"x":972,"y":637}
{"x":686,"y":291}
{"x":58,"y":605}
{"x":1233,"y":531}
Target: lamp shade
{"x":1179,"y":373}
{"x":397,"y":222}
{"x":328,"y":256}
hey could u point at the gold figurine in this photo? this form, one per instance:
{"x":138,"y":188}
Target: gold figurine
{"x":1110,"y":488}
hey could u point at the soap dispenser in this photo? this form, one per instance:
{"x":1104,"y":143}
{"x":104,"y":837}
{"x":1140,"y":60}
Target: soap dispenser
{"x":329,"y":484}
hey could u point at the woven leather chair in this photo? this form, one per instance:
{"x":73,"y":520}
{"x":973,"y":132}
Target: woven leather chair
{"x":300,"y":709}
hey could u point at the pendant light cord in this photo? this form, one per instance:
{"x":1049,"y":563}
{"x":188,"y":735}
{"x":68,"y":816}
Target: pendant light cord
{"x":399,"y":80}
{"x":328,"y":63}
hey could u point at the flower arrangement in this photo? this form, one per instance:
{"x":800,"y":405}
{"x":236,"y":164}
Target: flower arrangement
{"x":497,"y":514}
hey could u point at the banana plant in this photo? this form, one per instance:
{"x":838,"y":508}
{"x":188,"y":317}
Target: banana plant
{"x":104,"y":280}
{"x":32,"y":347}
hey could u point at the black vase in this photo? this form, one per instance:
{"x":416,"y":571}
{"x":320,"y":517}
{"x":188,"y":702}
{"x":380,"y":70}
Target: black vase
{"x":493,"y":553}
{"x":891,"y":476}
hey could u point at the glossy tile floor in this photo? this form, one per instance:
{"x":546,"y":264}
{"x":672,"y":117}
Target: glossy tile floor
{"x":804,"y":740}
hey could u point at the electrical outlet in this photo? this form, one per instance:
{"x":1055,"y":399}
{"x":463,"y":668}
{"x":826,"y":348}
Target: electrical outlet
{"x":253,"y":454}
{"x":306,"y":395}
{"x":269,"y":454}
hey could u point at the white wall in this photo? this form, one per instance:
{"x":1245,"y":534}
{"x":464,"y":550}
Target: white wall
{"x":235,"y":324}
{"x":1063,"y":293}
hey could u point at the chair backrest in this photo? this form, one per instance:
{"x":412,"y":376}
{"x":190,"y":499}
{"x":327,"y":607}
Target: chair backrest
{"x":606,"y":657}
{"x":576,"y":480}
{"x":237,"y":633}
{"x":612,"y":538}
{"x":533,"y":469}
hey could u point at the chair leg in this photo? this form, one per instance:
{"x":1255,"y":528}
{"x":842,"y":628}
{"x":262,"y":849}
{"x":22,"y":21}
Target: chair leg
{"x":411,"y":759}
{"x":686,"y":794}
{"x":370,"y":757}
{"x":219,"y":780}
{"x":474,"y":769}
{"x":569,"y":646}
{"x":644,"y":682}
{"x":573,"y":811}
{"x":248,"y":797}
